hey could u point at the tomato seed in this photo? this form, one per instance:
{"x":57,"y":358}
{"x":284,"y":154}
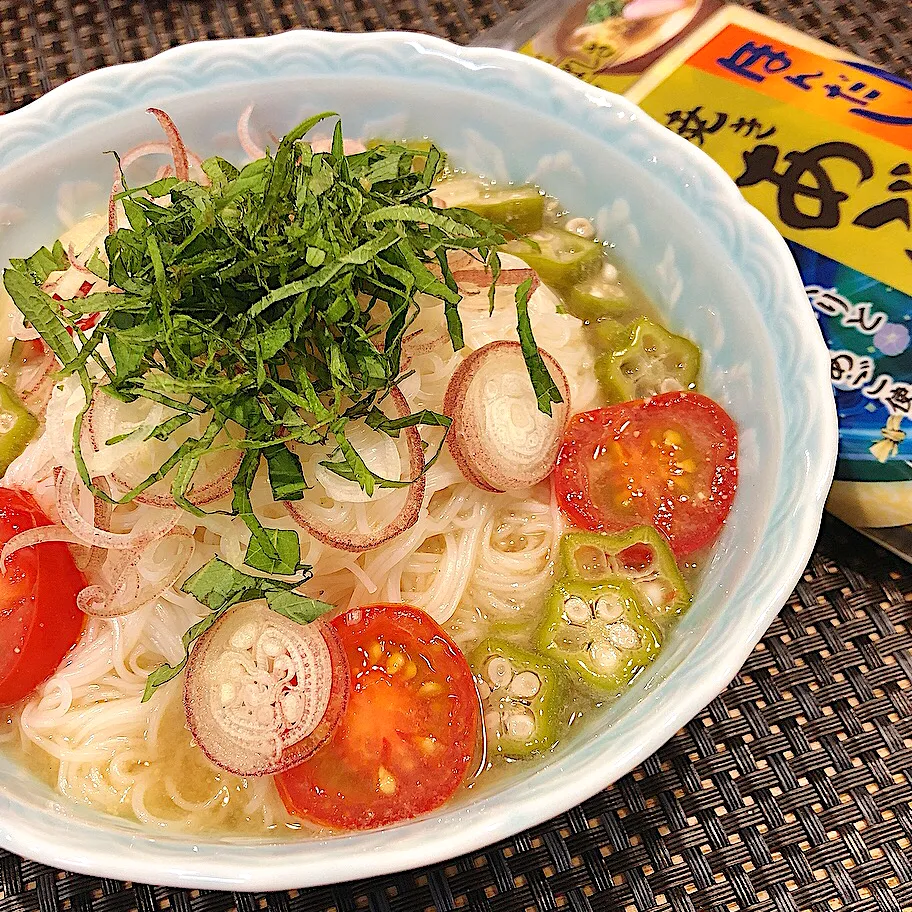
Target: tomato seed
{"x":386,"y":782}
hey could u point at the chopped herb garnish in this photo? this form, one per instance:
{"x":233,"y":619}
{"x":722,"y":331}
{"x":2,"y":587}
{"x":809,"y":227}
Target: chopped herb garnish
{"x":219,"y":586}
{"x":271,"y":303}
{"x":545,"y":388}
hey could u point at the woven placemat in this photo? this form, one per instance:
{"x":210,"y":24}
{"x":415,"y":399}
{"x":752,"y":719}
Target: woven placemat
{"x":791,"y":791}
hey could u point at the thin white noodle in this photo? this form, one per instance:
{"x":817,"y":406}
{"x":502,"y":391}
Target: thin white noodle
{"x":471,"y":558}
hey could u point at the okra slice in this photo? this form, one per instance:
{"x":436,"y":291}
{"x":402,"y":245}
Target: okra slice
{"x":650,"y":360}
{"x":560,"y":257}
{"x":607,"y":333}
{"x":521,"y":209}
{"x":522,"y":696}
{"x":17,"y":427}
{"x":597,"y":297}
{"x":640,"y":556}
{"x":599,"y":631}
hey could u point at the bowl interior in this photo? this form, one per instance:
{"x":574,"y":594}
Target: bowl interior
{"x":651,"y":196}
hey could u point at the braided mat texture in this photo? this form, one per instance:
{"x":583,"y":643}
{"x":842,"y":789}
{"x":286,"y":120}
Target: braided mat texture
{"x":792,"y":791}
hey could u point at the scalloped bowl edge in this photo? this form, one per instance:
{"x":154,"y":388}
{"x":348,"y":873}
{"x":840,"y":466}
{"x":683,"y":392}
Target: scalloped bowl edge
{"x":51,"y":837}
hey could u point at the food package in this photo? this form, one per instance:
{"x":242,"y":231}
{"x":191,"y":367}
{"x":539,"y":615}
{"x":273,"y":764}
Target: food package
{"x":820,"y":141}
{"x":609,"y":43}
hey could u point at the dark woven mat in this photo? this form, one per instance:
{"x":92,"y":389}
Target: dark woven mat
{"x":791,"y":791}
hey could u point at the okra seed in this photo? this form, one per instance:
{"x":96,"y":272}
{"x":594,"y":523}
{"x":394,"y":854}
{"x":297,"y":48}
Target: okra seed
{"x":520,"y":724}
{"x":609,"y":607}
{"x":499,"y":672}
{"x":655,"y":592}
{"x":525,"y":684}
{"x":604,"y":657}
{"x":577,"y":610}
{"x":610,"y":272}
{"x":623,"y":636}
{"x":591,"y":562}
{"x":484,"y":690}
{"x":492,"y":721}
{"x":581,"y":226}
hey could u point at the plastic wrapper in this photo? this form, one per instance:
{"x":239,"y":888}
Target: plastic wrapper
{"x":820,"y":141}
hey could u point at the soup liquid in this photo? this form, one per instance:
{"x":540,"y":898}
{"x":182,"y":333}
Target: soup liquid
{"x":167,"y":782}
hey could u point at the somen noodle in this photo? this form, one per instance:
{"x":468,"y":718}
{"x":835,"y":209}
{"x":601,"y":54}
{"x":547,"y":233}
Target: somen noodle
{"x":472,"y":531}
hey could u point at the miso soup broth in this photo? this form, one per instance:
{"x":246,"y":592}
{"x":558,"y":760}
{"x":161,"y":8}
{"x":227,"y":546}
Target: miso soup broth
{"x":345,"y":482}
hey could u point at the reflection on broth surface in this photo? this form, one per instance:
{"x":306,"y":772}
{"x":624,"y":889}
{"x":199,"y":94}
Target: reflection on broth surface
{"x":340,"y":402}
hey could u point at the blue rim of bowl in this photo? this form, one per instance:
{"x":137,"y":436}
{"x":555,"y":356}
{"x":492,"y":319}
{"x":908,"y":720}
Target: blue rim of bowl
{"x":47,"y":834}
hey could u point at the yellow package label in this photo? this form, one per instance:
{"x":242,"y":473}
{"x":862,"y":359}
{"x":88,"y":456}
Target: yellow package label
{"x":820,"y":143}
{"x":820,"y":146}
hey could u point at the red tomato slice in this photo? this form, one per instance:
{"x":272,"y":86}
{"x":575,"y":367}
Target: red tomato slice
{"x":39,"y":620}
{"x":670,"y":461}
{"x":408,"y":735}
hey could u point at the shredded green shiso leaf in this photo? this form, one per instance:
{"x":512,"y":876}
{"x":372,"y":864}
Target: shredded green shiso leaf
{"x":219,"y":586}
{"x":273,"y":303}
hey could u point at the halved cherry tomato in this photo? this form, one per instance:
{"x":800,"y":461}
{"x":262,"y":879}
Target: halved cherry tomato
{"x":39,"y":620}
{"x":670,"y":461}
{"x":408,"y":735}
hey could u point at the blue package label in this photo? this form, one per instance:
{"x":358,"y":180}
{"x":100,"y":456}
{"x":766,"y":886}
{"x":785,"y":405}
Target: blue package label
{"x":868,"y":329}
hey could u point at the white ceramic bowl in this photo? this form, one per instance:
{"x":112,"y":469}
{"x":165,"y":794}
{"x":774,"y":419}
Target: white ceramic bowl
{"x":709,"y":260}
